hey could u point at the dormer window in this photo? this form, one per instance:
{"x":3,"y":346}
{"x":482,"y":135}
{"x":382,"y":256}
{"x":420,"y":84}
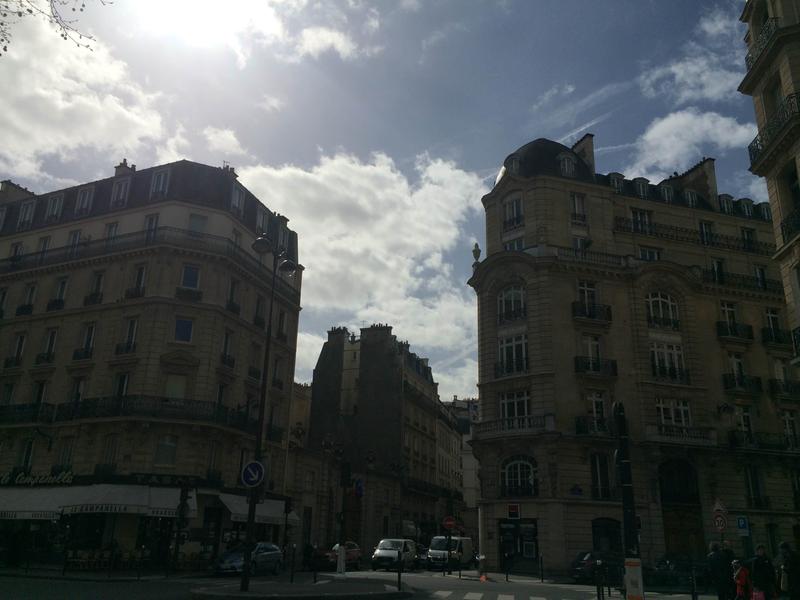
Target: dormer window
{"x":616,"y":182}
{"x":237,"y":200}
{"x":119,"y":195}
{"x":54,"y":206}
{"x":84,"y":202}
{"x":513,"y":165}
{"x":666,"y":193}
{"x":642,"y":186}
{"x":746,"y":206}
{"x":25,"y":215}
{"x":261,"y":221}
{"x":567,"y":164}
{"x":691,"y":198}
{"x":725,"y":204}
{"x":159,"y":184}
{"x":764,"y":208}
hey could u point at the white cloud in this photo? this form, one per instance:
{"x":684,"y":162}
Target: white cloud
{"x":441,"y":34}
{"x":315,"y":41}
{"x":747,"y":185}
{"x":58,"y":99}
{"x":271,"y":103}
{"x":308,"y":348}
{"x":373,"y":241}
{"x":223,"y":141}
{"x":174,"y":148}
{"x":556,"y":91}
{"x":679,"y":139}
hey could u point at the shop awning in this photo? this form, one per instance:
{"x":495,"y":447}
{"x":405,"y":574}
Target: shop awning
{"x":108,"y":498}
{"x":164,"y":502}
{"x":30,"y":503}
{"x":268,"y":511}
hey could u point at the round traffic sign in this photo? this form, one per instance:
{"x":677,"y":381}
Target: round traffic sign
{"x":253,"y":473}
{"x":449,"y":522}
{"x":720,"y":522}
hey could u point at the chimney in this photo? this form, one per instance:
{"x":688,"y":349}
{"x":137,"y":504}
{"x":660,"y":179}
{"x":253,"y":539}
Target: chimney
{"x":124,"y":169}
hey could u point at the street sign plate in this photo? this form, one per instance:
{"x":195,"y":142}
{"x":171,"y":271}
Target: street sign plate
{"x":253,"y":474}
{"x":743,"y":526}
{"x":720,"y":522}
{"x":449,"y":522}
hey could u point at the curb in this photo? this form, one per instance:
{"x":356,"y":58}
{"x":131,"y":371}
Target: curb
{"x":202,"y":593}
{"x":56,"y":576}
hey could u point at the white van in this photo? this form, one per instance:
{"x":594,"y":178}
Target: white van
{"x":462,"y":553}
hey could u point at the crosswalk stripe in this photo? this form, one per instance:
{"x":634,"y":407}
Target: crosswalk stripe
{"x":442,"y":594}
{"x":505,"y":596}
{"x":473,"y":596}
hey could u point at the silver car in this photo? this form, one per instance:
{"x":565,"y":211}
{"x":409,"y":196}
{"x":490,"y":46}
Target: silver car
{"x":267,"y":558}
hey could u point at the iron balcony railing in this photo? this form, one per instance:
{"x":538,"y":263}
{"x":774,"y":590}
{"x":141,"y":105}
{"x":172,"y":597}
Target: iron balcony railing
{"x":169,"y":236}
{"x":663,"y":322}
{"x":787,"y":110}
{"x":591,"y":257}
{"x":785,"y":388}
{"x":125,"y":348}
{"x":134,"y":292}
{"x":596,"y":312}
{"x":768,"y":29}
{"x":233,"y":307}
{"x":156,"y":407}
{"x":591,"y":426}
{"x":227,"y":360}
{"x":512,"y":367}
{"x":519,"y":491}
{"x":513,"y":425}
{"x":93,"y":298}
{"x":746,"y":282}
{"x":735,"y":382}
{"x":681,"y":434}
{"x":24,"y":309}
{"x":506,"y":316}
{"x":188,"y":294}
{"x":770,"y":335}
{"x":760,"y":440}
{"x":12,"y":361}
{"x":578,"y":218}
{"x":695,"y":236}
{"x":734,"y":330}
{"x":82,"y":354}
{"x":513,"y":222}
{"x":55,"y":304}
{"x":595,"y":366}
{"x":44,"y":358}
{"x":790,"y":226}
{"x":676,"y":374}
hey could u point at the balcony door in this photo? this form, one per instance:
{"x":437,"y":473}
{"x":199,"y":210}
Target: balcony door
{"x":515,"y":407}
{"x":681,"y":509}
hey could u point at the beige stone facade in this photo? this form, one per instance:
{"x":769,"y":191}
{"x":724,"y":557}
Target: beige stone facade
{"x":132,"y":342}
{"x":598,"y":289}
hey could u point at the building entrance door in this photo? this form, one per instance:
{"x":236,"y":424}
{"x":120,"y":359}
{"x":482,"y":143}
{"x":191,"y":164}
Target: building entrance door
{"x":681,"y":509}
{"x":519,"y":544}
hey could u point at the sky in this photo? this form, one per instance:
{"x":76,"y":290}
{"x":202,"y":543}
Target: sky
{"x":376,"y":127}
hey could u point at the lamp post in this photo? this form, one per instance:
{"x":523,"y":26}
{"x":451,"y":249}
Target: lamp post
{"x":262,"y":245}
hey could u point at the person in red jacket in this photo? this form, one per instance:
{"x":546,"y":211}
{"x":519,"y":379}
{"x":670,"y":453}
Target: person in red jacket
{"x":741,"y":576}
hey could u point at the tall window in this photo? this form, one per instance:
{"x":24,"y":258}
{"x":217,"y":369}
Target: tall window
{"x":78,"y":389}
{"x":44,"y":246}
{"x":642,"y":188}
{"x":753,"y":487}
{"x":121,"y":384}
{"x":567,"y":163}
{"x":237,"y":199}
{"x":74,"y":241}
{"x":760,"y":273}
{"x":789,"y":418}
{"x":773,"y":320}
{"x":728,"y":310}
{"x":110,"y":449}
{"x":597,"y":404}
{"x":725,"y":204}
{"x":674,"y":412}
{"x":61,"y":288}
{"x":30,"y":293}
{"x":49,"y":346}
{"x":40,"y":392}
{"x":119,"y":195}
{"x":706,"y":232}
{"x":261,"y":221}
{"x":233,"y":288}
{"x":667,"y":360}
{"x":649,"y":253}
{"x":190,"y":277}
{"x":662,"y":310}
{"x":25,"y":459}
{"x":111,"y":232}
{"x":744,"y":422}
{"x":84,"y":202}
{"x":66,"y":446}
{"x":691,"y":198}
{"x":512,"y":212}
{"x":591,"y":348}
{"x":25,"y":215}
{"x":8,"y":393}
{"x":166,"y":450}
{"x":578,"y":202}
{"x":227,"y":343}
{"x":17,"y":250}
{"x":88,"y":335}
{"x":511,"y":304}
{"x":748,"y":238}
{"x":19,"y":346}
{"x":587,"y":293}
{"x":666,"y":193}
{"x":519,"y":476}
{"x":97,"y":282}
{"x":617,"y":183}
{"x":130,"y":331}
{"x":213,"y":455}
{"x":737,"y":364}
{"x":601,"y":486}
{"x":183,"y":329}
{"x":198,"y":223}
{"x":513,"y":352}
{"x":780,"y":368}
{"x":642,"y":220}
{"x":515,"y":245}
{"x":151,"y":226}
{"x":159,"y":183}
{"x":54,"y":207}
{"x":514,"y":407}
{"x":140,"y":277}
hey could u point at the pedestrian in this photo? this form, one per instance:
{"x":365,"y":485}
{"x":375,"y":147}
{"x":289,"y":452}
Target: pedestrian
{"x":741,"y":576}
{"x":720,"y":571}
{"x":789,"y":581}
{"x":763,"y":575}
{"x":727,"y":552}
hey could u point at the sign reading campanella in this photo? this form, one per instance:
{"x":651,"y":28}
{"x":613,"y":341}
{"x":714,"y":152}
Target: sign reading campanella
{"x":63,"y":478}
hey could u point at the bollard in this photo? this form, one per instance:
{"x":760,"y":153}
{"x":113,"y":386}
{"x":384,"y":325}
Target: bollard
{"x":508,"y":565}
{"x":598,"y":582}
{"x":541,"y":568}
{"x":291,"y":573}
{"x":399,"y":569}
{"x":694,"y":583}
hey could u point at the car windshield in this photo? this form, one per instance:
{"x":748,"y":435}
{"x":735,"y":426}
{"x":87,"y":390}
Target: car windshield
{"x":440,"y":543}
{"x":390,"y":545}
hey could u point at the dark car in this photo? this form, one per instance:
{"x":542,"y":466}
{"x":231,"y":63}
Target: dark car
{"x":266,"y":558}
{"x":327,"y":559}
{"x":588,"y":565}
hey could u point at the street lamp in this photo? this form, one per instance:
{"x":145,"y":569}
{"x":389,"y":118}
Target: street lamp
{"x":280,"y":261}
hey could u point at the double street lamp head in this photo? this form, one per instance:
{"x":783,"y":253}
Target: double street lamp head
{"x":263,"y":245}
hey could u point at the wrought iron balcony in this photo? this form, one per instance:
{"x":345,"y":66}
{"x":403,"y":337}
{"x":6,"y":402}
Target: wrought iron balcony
{"x":513,"y":222}
{"x":595,"y":366}
{"x":501,"y":428}
{"x":768,"y":29}
{"x":519,"y":491}
{"x":134,"y":292}
{"x":93,"y":298}
{"x":595,"y":312}
{"x":227,"y":360}
{"x":12,"y":361}
{"x":759,"y":440}
{"x":680,"y":434}
{"x":24,"y":309}
{"x":188,"y":294}
{"x":515,"y":367}
{"x":254,"y":373}
{"x":578,"y":218}
{"x":674,"y":374}
{"x":590,"y":257}
{"x":786,"y":112}
{"x":591,"y":426}
{"x":784,"y":388}
{"x":233,"y":307}
{"x":125,"y":348}
{"x":740,"y":331}
{"x":781,"y":337}
{"x":742,"y":281}
{"x":508,"y":316}
{"x":790,"y":226}
{"x":694,"y":236}
{"x":55,"y":304}
{"x":663,"y":322}
{"x":44,"y":358}
{"x":733,"y":382}
{"x":82,"y":354}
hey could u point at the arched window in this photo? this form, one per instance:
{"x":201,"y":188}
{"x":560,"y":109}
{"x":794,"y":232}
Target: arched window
{"x":567,"y":164}
{"x":662,"y":311}
{"x":519,"y":477}
{"x":511,"y":304}
{"x":512,"y":212}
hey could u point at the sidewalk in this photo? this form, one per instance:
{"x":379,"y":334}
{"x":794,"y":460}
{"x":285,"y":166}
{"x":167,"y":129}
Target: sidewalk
{"x":304,"y":588}
{"x":44,"y":572}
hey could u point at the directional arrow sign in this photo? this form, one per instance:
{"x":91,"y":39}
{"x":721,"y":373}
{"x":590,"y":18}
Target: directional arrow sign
{"x":253,"y":474}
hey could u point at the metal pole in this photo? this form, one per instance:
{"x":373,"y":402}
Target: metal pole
{"x":399,"y":568}
{"x":541,"y":568}
{"x":262,"y":410}
{"x":694,"y":582}
{"x":294,"y":551}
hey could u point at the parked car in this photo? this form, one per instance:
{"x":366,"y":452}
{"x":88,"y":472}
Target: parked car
{"x":385,"y":554}
{"x":266,"y":558}
{"x":327,"y":559}
{"x":585,"y":566}
{"x":460,"y":554}
{"x":422,"y":556}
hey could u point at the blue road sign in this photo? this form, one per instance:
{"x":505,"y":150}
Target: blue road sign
{"x":743,"y":525}
{"x":253,"y":474}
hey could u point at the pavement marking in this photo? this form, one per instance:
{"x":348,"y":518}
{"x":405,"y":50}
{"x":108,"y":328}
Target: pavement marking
{"x":505,"y":596}
{"x":442,"y":594}
{"x":538,"y":598}
{"x":473,"y":596}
